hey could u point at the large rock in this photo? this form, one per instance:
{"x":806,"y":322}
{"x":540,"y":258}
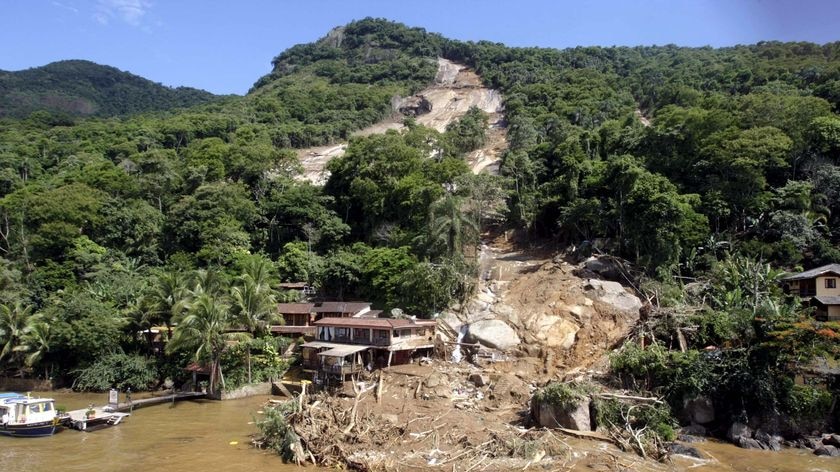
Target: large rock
{"x":415,"y":106}
{"x":829,"y":451}
{"x":738,"y":430}
{"x":831,"y":440}
{"x":748,"y":443}
{"x":699,"y":410}
{"x":683,"y":450}
{"x":769,"y":441}
{"x":613,"y":294}
{"x":493,"y":333}
{"x":603,"y":267}
{"x":554,"y":416}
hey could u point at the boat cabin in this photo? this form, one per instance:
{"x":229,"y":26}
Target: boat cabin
{"x":22,"y":415}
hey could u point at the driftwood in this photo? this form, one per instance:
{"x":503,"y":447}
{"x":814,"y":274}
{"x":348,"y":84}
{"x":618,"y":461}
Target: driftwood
{"x":588,"y":435}
{"x":617,"y":396}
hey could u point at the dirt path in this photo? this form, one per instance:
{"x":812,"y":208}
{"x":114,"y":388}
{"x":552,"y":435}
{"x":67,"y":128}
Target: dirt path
{"x":456,"y":89}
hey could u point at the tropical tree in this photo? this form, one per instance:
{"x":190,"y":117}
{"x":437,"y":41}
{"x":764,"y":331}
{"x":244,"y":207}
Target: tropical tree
{"x":205,"y":330}
{"x":36,"y":342}
{"x":450,"y":226}
{"x":13,"y":323}
{"x":166,"y":299}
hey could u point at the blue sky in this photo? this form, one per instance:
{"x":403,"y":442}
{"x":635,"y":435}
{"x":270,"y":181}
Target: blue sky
{"x":225,"y":46}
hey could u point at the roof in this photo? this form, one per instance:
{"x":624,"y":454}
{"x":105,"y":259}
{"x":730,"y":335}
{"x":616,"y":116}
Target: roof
{"x":810,"y":274}
{"x":295,"y":308}
{"x":340,"y":307}
{"x":284,"y":329}
{"x":827,"y":300}
{"x":382,"y":323}
{"x":319,"y":344}
{"x":343,"y":350}
{"x":370,"y":314}
{"x":292,"y":285}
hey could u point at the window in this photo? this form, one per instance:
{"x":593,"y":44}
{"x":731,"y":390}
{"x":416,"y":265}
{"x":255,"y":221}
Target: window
{"x":380,"y":334}
{"x":342,"y":332}
{"x":830,"y":283}
{"x":360,"y":334}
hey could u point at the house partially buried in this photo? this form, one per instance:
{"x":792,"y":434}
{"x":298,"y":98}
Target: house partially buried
{"x":345,"y":346}
{"x":818,"y":288}
{"x":299,"y":317}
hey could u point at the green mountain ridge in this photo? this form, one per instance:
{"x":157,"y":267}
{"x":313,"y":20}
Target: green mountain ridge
{"x":84,"y":88}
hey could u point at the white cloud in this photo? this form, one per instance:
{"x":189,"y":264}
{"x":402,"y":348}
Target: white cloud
{"x":130,"y":11}
{"x":65,"y":7}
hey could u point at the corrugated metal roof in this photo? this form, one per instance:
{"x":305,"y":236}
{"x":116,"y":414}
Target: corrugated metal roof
{"x":828,"y":300}
{"x":386,"y":323}
{"x":343,"y":351}
{"x":295,"y":308}
{"x":340,"y":307}
{"x":810,"y":274}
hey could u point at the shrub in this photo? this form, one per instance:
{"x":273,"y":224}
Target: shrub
{"x":117,"y":370}
{"x":807,"y":403}
{"x":563,"y":395}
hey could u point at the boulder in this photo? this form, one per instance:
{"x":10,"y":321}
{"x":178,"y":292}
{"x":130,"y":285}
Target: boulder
{"x":748,"y":443}
{"x":811,"y":443}
{"x":683,"y":450}
{"x":831,"y":440}
{"x":830,"y":451}
{"x":492,"y":333}
{"x":603,"y":267}
{"x":738,"y":430}
{"x":694,"y":430}
{"x":433,"y":380}
{"x":699,"y":410}
{"x":768,"y":441}
{"x":553,"y":416}
{"x":415,"y":106}
{"x":479,"y":380}
{"x":613,"y":294}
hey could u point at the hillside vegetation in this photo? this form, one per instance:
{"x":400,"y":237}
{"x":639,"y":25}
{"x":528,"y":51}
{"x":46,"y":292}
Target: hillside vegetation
{"x":110,"y":226}
{"x":84,"y":88}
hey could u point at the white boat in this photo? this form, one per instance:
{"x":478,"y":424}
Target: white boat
{"x":22,"y":415}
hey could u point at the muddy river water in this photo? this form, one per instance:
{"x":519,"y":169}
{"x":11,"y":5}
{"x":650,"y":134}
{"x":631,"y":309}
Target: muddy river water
{"x":209,"y":435}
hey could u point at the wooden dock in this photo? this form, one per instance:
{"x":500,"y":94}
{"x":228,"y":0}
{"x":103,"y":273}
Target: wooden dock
{"x":111,"y":415}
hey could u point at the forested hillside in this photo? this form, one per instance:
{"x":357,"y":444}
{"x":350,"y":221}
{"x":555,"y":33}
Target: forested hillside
{"x":677,"y":159}
{"x":84,"y":88}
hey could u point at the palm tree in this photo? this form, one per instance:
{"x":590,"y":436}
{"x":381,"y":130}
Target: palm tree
{"x":166,"y":300}
{"x":255,"y":300}
{"x":205,"y":330}
{"x":36,"y":341}
{"x":13,"y":323}
{"x":449,"y":225}
{"x":255,"y":305}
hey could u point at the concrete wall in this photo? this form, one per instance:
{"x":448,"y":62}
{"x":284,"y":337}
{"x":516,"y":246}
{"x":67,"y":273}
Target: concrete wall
{"x":244,"y":391}
{"x":828,"y":292}
{"x":834,"y":313}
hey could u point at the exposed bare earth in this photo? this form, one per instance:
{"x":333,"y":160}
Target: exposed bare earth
{"x":456,"y":89}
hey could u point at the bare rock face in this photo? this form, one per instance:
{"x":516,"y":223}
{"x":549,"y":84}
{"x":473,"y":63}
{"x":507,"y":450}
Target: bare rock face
{"x":493,"y":333}
{"x":554,"y":416}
